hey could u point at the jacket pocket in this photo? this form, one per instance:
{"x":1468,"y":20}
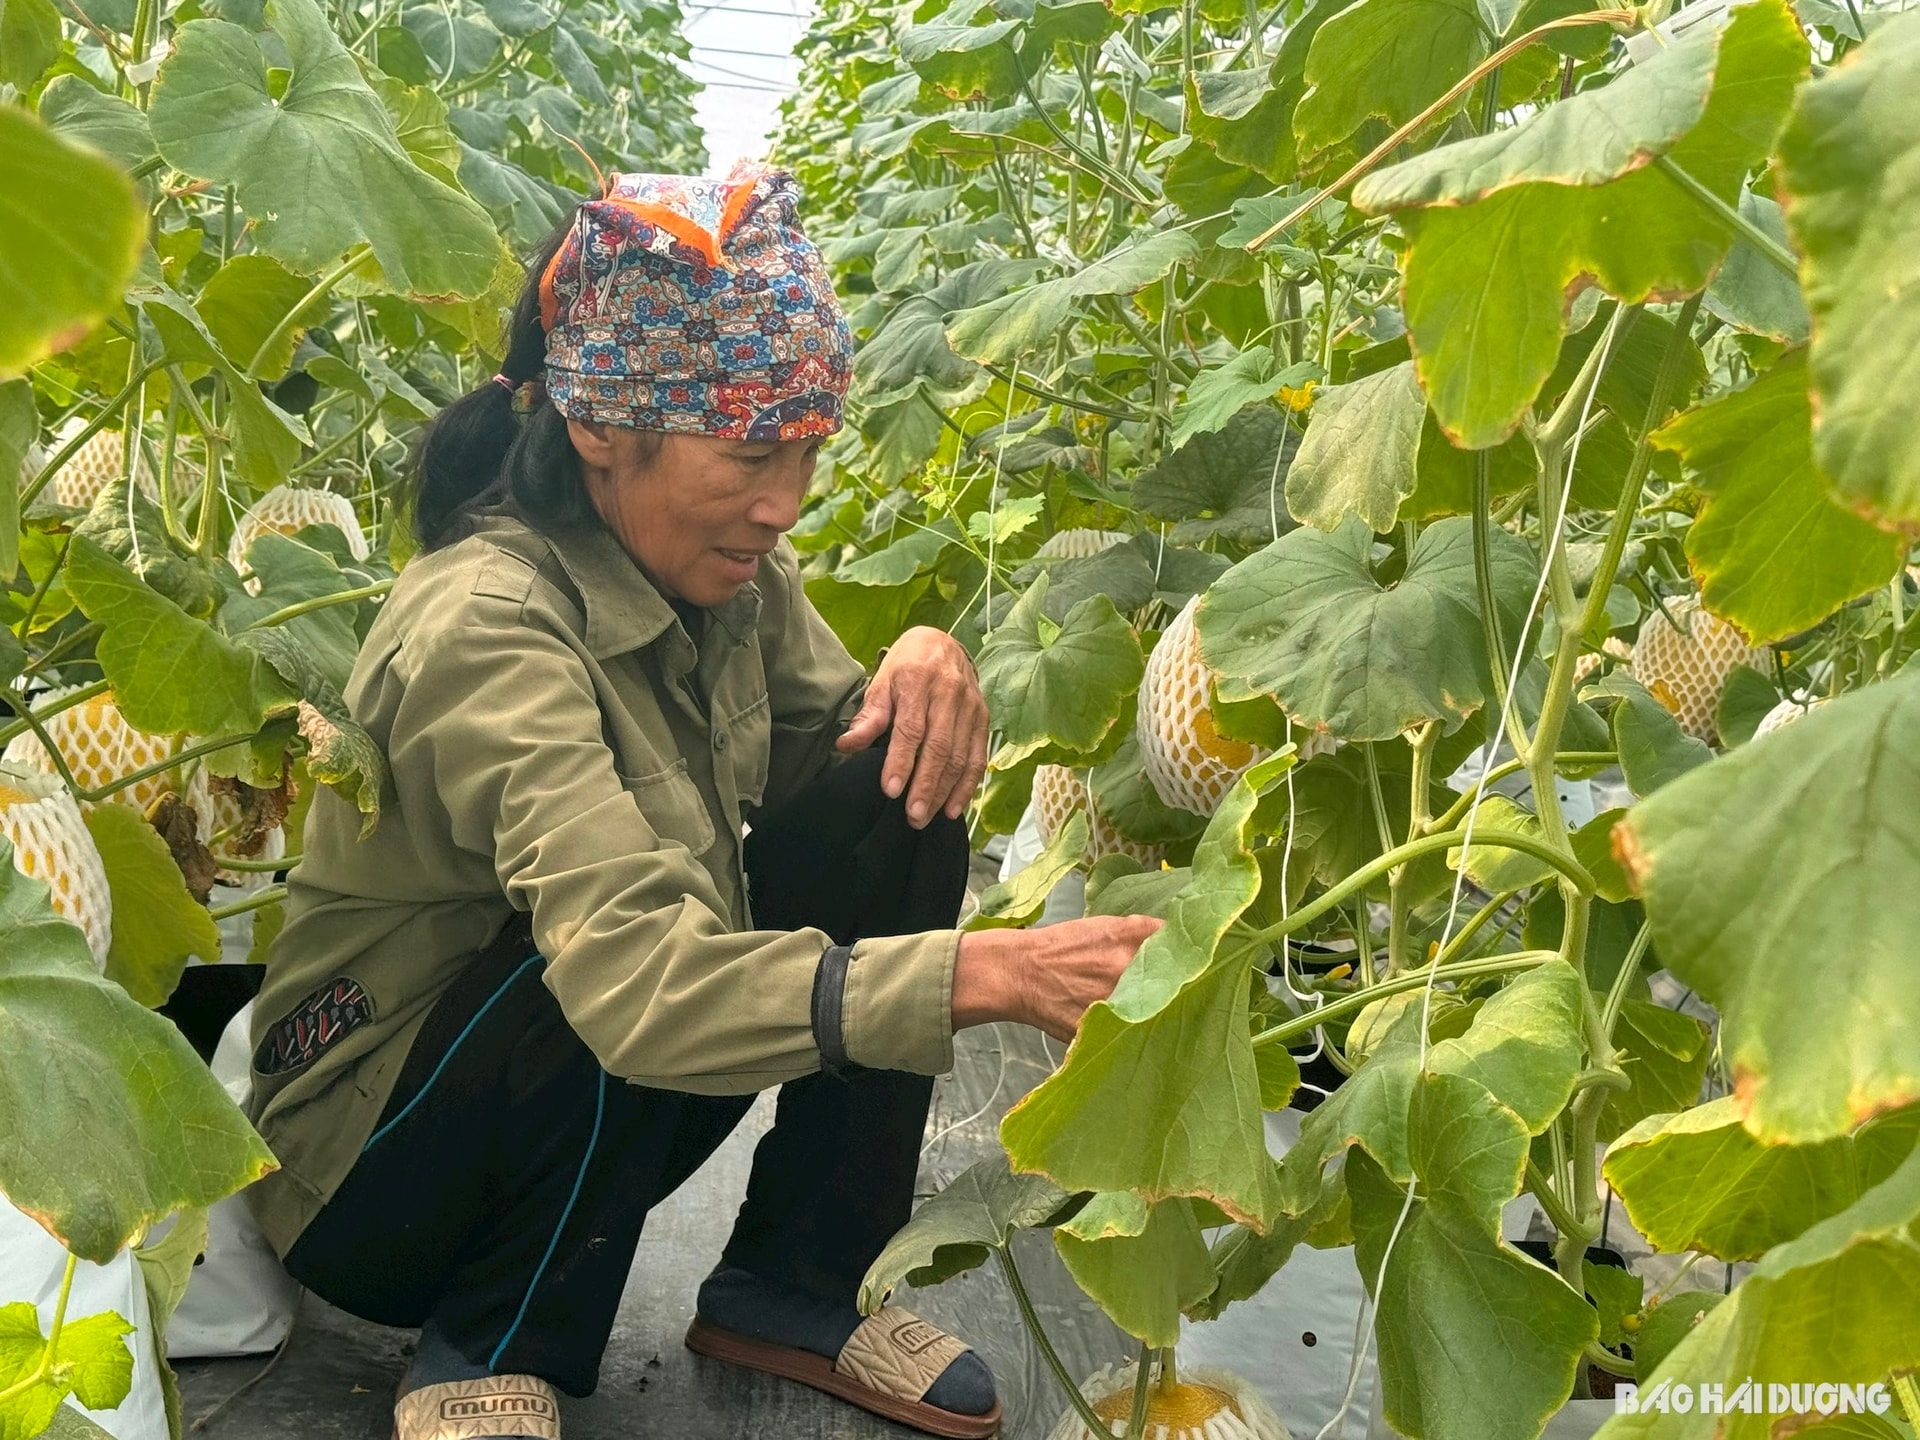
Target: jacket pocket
{"x":673,"y":806}
{"x":750,"y":741}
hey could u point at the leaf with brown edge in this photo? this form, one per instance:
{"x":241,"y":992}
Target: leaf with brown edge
{"x":1779,"y":883}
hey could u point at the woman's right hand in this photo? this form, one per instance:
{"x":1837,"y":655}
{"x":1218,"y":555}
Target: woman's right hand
{"x":1045,"y":978}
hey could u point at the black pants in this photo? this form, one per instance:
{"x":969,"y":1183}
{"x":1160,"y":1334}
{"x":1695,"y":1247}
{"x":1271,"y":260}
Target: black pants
{"x":503,"y":1192}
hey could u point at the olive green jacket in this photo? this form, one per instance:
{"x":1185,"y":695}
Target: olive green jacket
{"x":559,"y":745}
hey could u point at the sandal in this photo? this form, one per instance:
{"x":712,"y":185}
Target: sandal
{"x":887,"y":1366}
{"x":518,"y":1406}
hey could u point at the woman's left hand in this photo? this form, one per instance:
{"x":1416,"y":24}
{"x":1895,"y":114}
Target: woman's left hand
{"x":926,"y":692}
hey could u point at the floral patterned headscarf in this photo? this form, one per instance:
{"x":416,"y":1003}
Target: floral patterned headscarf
{"x":696,"y":306}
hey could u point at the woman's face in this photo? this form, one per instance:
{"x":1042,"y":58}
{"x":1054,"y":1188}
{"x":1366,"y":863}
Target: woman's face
{"x":698,"y":513}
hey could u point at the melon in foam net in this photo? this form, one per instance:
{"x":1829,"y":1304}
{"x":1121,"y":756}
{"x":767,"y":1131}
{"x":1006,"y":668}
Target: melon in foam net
{"x":100,"y":747}
{"x":1190,"y":764}
{"x":94,"y":466}
{"x":1685,"y":662}
{"x":51,"y":844}
{"x":1058,"y":792}
{"x":1203,"y":1404}
{"x":289,"y":509}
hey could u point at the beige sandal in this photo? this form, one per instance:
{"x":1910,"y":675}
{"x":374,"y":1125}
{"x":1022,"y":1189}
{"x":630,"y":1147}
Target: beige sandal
{"x":887,"y":1366}
{"x":474,"y":1409}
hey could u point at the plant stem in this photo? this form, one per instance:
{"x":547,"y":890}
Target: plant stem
{"x":1169,"y":1375}
{"x":1473,"y":77}
{"x":1540,"y":1185}
{"x":134,"y":777}
{"x":47,"y":1356}
{"x":1559,"y":859}
{"x":321,"y":602}
{"x":1137,"y":1418}
{"x":1771,"y":250}
{"x":1458,"y":944}
{"x":1904,"y":1386}
{"x":1629,"y":967}
{"x":1358,"y":1000}
{"x":259,"y":867}
{"x":1011,"y":1270}
{"x":1457,"y":810}
{"x":356,"y":257}
{"x":272,"y":895}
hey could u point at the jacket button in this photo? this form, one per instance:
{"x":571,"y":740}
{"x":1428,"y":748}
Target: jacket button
{"x":719,"y":739}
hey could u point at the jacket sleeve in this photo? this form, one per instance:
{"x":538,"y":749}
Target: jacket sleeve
{"x":814,"y":686}
{"x":639,"y":952}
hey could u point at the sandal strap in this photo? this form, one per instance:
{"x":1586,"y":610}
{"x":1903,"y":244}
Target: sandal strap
{"x":897,"y":1353}
{"x":494,"y":1405}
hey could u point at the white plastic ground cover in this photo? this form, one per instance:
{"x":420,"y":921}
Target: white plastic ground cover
{"x":31,"y":1264}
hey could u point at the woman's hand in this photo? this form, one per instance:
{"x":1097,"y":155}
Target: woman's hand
{"x":1045,"y":978}
{"x":926,"y":692}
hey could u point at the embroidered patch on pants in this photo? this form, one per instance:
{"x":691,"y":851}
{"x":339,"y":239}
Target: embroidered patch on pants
{"x":323,"y":1020}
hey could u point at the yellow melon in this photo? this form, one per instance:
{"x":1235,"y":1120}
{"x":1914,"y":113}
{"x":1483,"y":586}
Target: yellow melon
{"x":51,"y":843}
{"x":287,"y":510}
{"x":1189,"y":763}
{"x":1686,"y":668}
{"x":1205,"y":1403}
{"x":1785,"y":713}
{"x":1058,"y":792}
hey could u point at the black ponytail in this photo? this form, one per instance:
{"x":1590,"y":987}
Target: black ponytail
{"x":477,"y":451}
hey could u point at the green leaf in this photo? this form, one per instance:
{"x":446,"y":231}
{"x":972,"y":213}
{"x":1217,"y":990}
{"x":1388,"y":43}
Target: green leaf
{"x":108,"y":1119}
{"x":1750,"y":291}
{"x":1514,"y":1332}
{"x":1385,"y":58}
{"x":150,"y":646}
{"x":291,"y":573}
{"x":1495,"y":868}
{"x":1468,"y":1149}
{"x":339,"y":752}
{"x":19,"y":423}
{"x":22,"y":1347}
{"x":320,"y":169}
{"x":1617,"y":1293}
{"x":1306,"y":622}
{"x":1224,"y":485}
{"x":1359,"y":454}
{"x":1067,"y":685}
{"x":57,"y":279}
{"x":1653,"y":749}
{"x":129,"y":527}
{"x":1778,"y":882}
{"x":115,"y":127}
{"x":1846,"y":163}
{"x":1699,"y":1181}
{"x":1142,"y":1264}
{"x":29,"y":41}
{"x":1665,"y":1054}
{"x":1370,"y":1109}
{"x":522,"y":206}
{"x":1524,"y":1047}
{"x":166,"y":1267}
{"x":242,"y":304}
{"x":1593,"y":848}
{"x":1019,"y":899}
{"x":1001,"y":331}
{"x":1159,"y":1094}
{"x":865,"y":617}
{"x":157,"y":925}
{"x":1746,"y":699}
{"x":1841,"y":1302}
{"x":1215,"y":396}
{"x":899,"y":562}
{"x":1127,"y":800}
{"x":1574,"y":191}
{"x":96,"y":1347}
{"x":954,"y":1231}
{"x":965,"y":62}
{"x":1750,"y":454}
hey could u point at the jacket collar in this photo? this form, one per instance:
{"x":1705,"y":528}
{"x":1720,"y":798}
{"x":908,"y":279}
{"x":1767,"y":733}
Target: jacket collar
{"x":625,"y":610}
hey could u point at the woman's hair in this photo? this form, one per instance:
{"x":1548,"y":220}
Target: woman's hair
{"x":478,"y":452}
